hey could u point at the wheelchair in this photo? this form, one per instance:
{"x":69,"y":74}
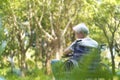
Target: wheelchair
{"x":87,"y":68}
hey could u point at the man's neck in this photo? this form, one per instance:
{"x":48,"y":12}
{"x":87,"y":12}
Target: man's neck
{"x":82,"y":38}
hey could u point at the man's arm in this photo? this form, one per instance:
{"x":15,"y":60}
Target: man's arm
{"x":67,"y":51}
{"x":70,"y":49}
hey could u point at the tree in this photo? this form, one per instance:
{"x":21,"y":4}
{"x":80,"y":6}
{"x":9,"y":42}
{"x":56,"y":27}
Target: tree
{"x":107,"y":17}
{"x":45,"y":26}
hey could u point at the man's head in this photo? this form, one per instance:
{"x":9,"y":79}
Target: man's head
{"x":81,"y":30}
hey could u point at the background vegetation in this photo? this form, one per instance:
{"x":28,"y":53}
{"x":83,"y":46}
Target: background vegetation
{"x":32,"y":32}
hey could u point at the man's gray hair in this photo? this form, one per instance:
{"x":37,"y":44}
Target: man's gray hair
{"x":81,"y":28}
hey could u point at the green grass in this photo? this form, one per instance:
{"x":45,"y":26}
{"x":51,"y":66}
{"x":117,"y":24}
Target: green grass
{"x":82,"y":71}
{"x":36,"y":74}
{"x":78,"y":73}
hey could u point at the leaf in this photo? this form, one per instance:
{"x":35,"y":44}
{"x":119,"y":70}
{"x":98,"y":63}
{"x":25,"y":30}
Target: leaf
{"x":2,"y":46}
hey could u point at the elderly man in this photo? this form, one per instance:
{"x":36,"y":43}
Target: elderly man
{"x":82,"y":44}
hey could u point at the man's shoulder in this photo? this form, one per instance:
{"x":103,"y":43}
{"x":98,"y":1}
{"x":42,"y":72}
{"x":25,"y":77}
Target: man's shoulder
{"x":89,"y":42}
{"x":90,"y":39}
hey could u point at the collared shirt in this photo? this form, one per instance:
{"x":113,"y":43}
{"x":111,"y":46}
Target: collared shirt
{"x":82,"y":46}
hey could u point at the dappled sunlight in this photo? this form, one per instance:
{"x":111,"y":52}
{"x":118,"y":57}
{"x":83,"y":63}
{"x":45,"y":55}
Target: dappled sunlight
{"x":34,"y":35}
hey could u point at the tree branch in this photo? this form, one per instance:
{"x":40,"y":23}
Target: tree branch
{"x":40,"y":27}
{"x":51,"y":23}
{"x":66,"y":27}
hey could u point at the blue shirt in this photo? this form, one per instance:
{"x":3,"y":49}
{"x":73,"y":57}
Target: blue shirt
{"x":81,"y":47}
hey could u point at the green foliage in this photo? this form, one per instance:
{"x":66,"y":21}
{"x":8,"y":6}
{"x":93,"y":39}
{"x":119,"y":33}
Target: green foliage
{"x":3,"y":43}
{"x":2,"y":46}
{"x":46,"y":26}
{"x":35,"y":74}
{"x":89,"y":67}
{"x":106,"y":17}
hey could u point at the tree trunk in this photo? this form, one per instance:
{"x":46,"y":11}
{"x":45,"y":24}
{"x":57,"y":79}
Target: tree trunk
{"x":12,"y":61}
{"x":113,"y":62}
{"x":48,"y":66}
{"x":23,"y":63}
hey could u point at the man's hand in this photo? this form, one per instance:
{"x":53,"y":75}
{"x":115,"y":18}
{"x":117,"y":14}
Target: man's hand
{"x":67,"y":51}
{"x":68,"y":55}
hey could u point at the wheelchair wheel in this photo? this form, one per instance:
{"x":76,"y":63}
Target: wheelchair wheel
{"x":68,"y":65}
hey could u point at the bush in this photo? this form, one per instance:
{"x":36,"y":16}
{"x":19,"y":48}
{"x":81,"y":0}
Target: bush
{"x":35,"y":74}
